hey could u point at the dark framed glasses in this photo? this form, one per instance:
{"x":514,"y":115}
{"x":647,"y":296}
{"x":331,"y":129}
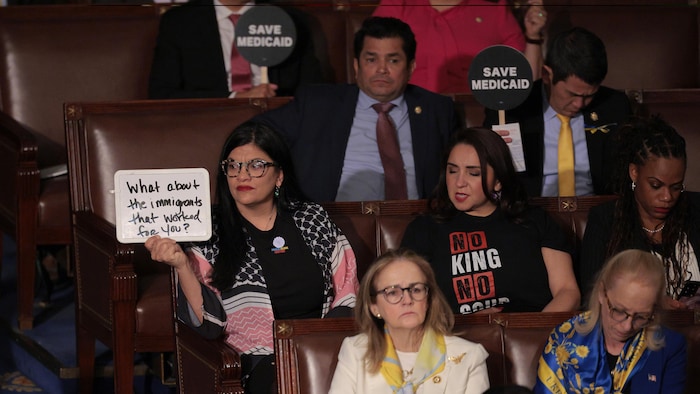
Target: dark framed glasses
{"x":256,"y":168}
{"x":394,"y":294}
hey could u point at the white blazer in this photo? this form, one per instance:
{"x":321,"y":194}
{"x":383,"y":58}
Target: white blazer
{"x":465,"y":370}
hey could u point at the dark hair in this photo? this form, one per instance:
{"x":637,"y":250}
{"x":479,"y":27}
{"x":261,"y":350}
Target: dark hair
{"x":232,"y":238}
{"x":640,"y":140}
{"x":577,"y":52}
{"x":493,"y":152}
{"x":381,"y":27}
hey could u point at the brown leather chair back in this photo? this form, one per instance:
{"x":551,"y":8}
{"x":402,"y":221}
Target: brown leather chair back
{"x":51,"y":55}
{"x":306,"y":351}
{"x":148,"y":134}
{"x":373,"y":227}
{"x":123,"y":298}
{"x":649,"y":46}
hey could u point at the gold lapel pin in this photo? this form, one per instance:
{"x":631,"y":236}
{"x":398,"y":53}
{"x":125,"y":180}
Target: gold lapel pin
{"x":594,"y":116}
{"x":456,"y":359}
{"x":418,"y":110}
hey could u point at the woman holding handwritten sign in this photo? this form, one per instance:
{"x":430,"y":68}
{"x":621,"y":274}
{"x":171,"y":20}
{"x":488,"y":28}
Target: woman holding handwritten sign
{"x":273,"y":255}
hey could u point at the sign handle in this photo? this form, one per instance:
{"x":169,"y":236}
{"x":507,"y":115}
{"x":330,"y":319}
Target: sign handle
{"x":501,"y":117}
{"x":264,"y":79}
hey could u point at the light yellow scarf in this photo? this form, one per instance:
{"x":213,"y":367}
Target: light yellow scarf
{"x":430,"y":361}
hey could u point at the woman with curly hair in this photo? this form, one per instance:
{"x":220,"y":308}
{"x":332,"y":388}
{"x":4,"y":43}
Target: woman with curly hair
{"x":653,"y":213}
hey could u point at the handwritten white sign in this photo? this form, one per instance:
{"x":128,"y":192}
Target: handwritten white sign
{"x":173,"y":203}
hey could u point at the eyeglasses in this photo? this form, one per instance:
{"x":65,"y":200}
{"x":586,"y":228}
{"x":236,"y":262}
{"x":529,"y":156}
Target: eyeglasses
{"x":394,"y":294}
{"x":638,"y":320}
{"x":255,"y":168}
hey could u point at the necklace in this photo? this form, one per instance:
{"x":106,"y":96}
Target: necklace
{"x":655,"y":230}
{"x":267,"y":225}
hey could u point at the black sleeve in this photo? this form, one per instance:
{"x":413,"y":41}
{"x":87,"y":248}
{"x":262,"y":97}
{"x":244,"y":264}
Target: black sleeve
{"x":418,"y":236}
{"x":594,"y":245}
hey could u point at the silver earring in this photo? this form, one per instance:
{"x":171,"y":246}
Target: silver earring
{"x":634,"y":185}
{"x":277,"y":191}
{"x":496,"y":195}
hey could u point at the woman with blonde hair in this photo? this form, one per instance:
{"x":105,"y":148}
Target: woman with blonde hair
{"x":405,"y":343}
{"x":618,"y":345}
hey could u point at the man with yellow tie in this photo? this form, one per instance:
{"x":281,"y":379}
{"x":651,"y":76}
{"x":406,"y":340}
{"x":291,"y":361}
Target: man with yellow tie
{"x":569,"y":120}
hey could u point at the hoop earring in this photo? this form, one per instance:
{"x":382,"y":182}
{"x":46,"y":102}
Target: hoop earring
{"x":277,"y":191}
{"x":634,"y":185}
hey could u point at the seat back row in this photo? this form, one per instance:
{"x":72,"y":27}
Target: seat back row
{"x":306,"y":351}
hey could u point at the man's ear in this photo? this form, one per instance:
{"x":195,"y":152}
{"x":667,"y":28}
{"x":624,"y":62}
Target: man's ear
{"x":411,"y":68}
{"x":547,"y":75}
{"x":355,"y":66}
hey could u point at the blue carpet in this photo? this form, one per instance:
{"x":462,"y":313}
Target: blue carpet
{"x":43,"y":359}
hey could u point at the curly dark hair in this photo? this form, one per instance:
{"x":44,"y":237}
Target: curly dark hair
{"x":640,"y":140}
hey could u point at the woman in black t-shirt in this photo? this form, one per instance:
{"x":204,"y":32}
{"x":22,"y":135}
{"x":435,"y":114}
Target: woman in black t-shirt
{"x":489,"y":250}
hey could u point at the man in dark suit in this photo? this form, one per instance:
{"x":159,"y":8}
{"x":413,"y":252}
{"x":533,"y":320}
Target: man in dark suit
{"x":332,"y":129}
{"x":575,"y":66}
{"x":192,"y":55}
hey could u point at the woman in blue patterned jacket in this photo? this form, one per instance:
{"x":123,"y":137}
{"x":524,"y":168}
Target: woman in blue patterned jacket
{"x":618,"y":345}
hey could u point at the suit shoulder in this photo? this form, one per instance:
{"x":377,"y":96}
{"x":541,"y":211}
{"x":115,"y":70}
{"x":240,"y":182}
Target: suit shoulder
{"x":673,"y":339}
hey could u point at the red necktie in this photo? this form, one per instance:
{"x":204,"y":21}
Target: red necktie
{"x":389,"y":152}
{"x":240,"y":68}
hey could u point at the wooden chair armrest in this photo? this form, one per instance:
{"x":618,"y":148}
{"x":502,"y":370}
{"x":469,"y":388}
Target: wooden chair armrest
{"x":206,"y":365}
{"x":95,"y":237}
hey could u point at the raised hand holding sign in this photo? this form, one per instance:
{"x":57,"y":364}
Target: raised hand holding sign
{"x":501,"y":78}
{"x":173,"y":203}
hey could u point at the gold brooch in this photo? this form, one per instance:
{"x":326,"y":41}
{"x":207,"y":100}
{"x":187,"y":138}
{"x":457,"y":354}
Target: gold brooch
{"x":603,"y":129}
{"x":418,"y":110}
{"x":594,"y":116}
{"x":456,"y":359}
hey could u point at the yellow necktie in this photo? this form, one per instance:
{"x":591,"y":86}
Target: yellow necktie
{"x":567,"y":182}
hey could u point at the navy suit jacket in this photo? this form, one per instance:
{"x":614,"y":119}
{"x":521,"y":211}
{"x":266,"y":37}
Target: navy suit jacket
{"x":188,"y":61}
{"x":665,"y":369}
{"x":317,"y":123}
{"x":611,"y":109}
